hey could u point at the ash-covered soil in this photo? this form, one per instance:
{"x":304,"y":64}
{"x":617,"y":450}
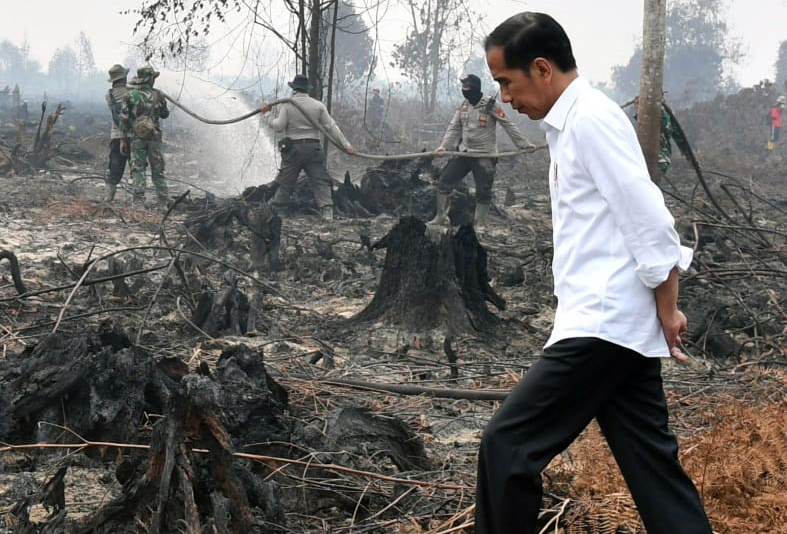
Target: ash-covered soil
{"x":726,"y":403}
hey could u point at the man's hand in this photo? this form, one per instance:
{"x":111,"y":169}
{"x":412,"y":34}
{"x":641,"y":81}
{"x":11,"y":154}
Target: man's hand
{"x":673,"y":325}
{"x":439,"y":150}
{"x":350,"y":149}
{"x":265,"y":108}
{"x":123,"y":147}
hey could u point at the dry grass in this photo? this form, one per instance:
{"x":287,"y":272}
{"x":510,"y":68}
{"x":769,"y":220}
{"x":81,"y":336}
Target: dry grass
{"x":738,"y":462}
{"x":81,"y":209}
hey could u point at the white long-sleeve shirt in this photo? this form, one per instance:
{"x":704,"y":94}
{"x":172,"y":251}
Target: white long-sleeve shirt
{"x":614,"y":239}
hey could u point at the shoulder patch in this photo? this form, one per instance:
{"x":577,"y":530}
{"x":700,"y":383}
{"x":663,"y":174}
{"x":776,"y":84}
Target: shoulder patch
{"x":500,"y":112}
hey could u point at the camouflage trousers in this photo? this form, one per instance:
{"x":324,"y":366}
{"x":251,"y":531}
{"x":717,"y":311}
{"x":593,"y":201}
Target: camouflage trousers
{"x":664,"y":159}
{"x":142,"y":151}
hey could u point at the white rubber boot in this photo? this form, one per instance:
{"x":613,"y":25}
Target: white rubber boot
{"x":479,"y":219}
{"x":443,"y":205}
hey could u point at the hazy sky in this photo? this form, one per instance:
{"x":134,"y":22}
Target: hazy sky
{"x":603,"y":32}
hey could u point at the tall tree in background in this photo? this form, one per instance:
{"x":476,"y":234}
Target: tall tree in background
{"x":434,"y":34}
{"x":64,"y":68}
{"x":86,"y":63}
{"x":781,"y":66}
{"x":698,"y":46}
{"x":651,"y":78}
{"x":354,"y":48}
{"x":169,"y":27}
{"x":15,"y":63}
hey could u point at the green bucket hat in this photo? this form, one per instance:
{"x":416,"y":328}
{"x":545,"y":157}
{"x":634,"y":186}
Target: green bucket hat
{"x":117,"y":72}
{"x":147,"y":74}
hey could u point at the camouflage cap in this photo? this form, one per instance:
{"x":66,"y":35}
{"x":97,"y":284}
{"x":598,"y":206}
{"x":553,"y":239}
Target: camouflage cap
{"x":147,"y":74}
{"x":117,"y":72}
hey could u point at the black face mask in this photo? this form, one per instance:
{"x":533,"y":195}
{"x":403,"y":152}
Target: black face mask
{"x":472,"y":95}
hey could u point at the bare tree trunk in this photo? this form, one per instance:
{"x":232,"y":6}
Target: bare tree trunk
{"x":302,"y":30}
{"x":650,"y":84}
{"x":332,"y":63}
{"x":435,"y":53}
{"x":315,"y":76}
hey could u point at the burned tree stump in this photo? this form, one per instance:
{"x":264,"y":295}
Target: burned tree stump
{"x":265,"y":226}
{"x":173,"y":494}
{"x":225,"y":312}
{"x":429,"y":283}
{"x":179,"y":489}
{"x":97,"y":385}
{"x":229,"y":311}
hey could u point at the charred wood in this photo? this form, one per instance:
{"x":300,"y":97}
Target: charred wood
{"x":15,"y":274}
{"x":428,"y":283}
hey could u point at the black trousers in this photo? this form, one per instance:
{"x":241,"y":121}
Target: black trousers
{"x":309,"y":157}
{"x":457,"y":168}
{"x":575,"y":381}
{"x":117,"y":161}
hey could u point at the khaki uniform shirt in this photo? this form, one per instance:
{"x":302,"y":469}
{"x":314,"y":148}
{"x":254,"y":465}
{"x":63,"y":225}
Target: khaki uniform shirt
{"x":119,"y":92}
{"x":477,"y":128}
{"x":295,"y":125}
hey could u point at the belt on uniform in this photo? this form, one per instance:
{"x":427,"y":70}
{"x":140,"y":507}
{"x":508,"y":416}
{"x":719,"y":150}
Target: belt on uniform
{"x":306,"y":140}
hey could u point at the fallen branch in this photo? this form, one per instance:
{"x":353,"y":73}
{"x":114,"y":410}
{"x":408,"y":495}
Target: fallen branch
{"x":401,"y":389}
{"x":85,"y":283}
{"x":258,"y":457}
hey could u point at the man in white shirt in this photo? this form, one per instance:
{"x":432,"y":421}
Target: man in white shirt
{"x":616,"y":259}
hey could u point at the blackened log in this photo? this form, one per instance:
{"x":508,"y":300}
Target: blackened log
{"x":96,"y":384}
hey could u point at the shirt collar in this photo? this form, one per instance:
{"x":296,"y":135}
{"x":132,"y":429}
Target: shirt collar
{"x":558,"y":114}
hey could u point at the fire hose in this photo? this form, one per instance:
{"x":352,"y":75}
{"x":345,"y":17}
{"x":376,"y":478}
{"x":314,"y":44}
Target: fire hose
{"x":338,"y":145}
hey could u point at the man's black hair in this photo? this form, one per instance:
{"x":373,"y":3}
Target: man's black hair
{"x":529,"y":35}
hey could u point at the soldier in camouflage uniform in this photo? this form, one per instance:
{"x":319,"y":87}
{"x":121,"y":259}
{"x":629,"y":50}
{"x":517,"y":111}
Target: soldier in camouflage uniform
{"x":666,"y":133}
{"x":474,"y":125}
{"x":139,"y":121}
{"x":665,"y":142}
{"x":117,"y":160}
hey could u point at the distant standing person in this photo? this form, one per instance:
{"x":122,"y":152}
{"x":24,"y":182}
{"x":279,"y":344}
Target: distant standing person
{"x":776,"y":119}
{"x":140,"y":119}
{"x":666,"y":134}
{"x":117,"y":160}
{"x":475,"y":125}
{"x":376,"y":109}
{"x":300,"y":147}
{"x":615,"y":263}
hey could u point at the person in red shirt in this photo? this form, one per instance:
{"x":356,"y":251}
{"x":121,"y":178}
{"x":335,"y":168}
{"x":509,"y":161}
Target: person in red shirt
{"x":777,"y":111}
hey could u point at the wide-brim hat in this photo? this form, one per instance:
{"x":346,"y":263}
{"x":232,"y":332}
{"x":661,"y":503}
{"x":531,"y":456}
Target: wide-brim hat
{"x":117,"y":72}
{"x":471,"y":80}
{"x":300,"y":83}
{"x":147,"y":73}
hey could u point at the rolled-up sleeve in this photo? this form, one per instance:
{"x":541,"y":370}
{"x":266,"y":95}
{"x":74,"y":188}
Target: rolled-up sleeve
{"x":615,"y":162}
